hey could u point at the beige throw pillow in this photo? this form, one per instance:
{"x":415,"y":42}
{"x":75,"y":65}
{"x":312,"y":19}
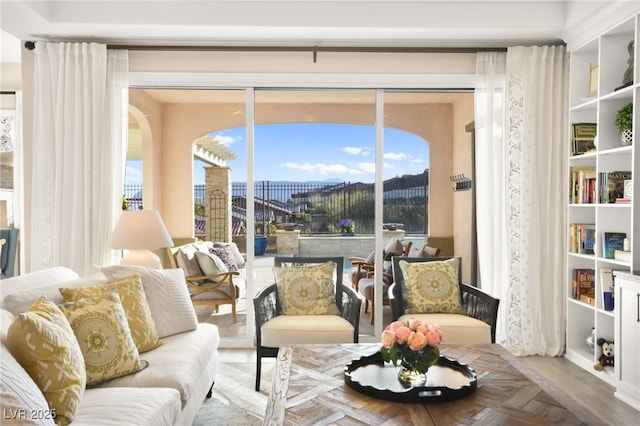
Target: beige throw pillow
{"x":136,"y":308}
{"x":432,"y":287}
{"x":211,"y":265}
{"x":43,"y":342}
{"x":307,"y":290}
{"x":102,"y":331}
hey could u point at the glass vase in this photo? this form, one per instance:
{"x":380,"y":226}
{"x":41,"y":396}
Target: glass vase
{"x":411,"y":377}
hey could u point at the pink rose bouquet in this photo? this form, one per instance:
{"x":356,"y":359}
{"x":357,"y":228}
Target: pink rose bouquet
{"x":414,"y":343}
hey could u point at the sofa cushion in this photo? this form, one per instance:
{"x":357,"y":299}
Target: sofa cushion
{"x":129,"y":406}
{"x":186,"y":259}
{"x":21,"y":402}
{"x":307,"y":290}
{"x":432,"y":287}
{"x":177,"y":364}
{"x":167,"y":294}
{"x":18,"y":293}
{"x":102,"y":330}
{"x":43,"y":342}
{"x":305,"y":329}
{"x":458,"y":329}
{"x":393,"y":247}
{"x":136,"y":308}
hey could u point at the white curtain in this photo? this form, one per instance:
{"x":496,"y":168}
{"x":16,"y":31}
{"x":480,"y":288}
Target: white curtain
{"x":521,"y":125}
{"x":80,"y":98}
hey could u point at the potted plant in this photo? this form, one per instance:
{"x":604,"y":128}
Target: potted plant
{"x":347,"y":227}
{"x":624,"y":123}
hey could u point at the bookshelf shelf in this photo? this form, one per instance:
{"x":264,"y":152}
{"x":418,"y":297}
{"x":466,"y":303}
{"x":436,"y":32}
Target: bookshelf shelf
{"x":600,"y":204}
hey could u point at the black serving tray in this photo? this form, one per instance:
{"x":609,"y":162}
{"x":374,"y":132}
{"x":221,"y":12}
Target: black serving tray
{"x":447,"y":380}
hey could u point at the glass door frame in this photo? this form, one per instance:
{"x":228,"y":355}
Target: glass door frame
{"x":250,"y":82}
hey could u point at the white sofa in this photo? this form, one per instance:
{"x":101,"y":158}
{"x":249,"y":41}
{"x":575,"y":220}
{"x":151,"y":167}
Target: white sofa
{"x":170,"y":391}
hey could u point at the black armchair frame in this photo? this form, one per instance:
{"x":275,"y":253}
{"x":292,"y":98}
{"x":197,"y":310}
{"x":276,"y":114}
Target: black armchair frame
{"x":267,"y":305}
{"x":476,"y":303}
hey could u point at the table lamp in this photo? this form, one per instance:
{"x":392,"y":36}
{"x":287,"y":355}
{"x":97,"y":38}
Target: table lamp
{"x":137,"y":231}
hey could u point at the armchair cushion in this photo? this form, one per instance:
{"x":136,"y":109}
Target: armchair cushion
{"x":101,"y":328}
{"x":211,"y":265}
{"x":458,"y":329}
{"x":306,"y":329}
{"x":432,"y":287}
{"x":224,"y":253}
{"x":307,"y":290}
{"x":186,"y":259}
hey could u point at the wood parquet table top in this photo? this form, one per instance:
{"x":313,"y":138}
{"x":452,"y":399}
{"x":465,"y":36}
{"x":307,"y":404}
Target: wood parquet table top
{"x":308,"y":388}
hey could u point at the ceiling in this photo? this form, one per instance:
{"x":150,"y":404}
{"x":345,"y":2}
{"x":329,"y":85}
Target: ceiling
{"x":328,"y":23}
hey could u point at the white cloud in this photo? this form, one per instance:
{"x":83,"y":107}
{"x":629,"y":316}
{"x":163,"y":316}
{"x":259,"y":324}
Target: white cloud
{"x":396,"y":156}
{"x":353,"y":150}
{"x":418,"y":160}
{"x":225,"y":140}
{"x":320,"y":168}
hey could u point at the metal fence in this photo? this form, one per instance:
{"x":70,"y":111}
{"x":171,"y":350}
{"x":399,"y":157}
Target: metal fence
{"x":316,"y":207}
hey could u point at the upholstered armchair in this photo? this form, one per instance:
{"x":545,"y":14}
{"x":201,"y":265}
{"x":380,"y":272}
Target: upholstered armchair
{"x":8,"y":251}
{"x":468,"y":318}
{"x":284,"y":318}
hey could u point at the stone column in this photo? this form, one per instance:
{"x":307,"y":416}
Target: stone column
{"x":217,"y":190}
{"x":288,"y":242}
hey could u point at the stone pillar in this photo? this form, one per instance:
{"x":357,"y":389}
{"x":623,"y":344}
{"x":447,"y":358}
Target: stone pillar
{"x":217,"y":203}
{"x":288,"y":242}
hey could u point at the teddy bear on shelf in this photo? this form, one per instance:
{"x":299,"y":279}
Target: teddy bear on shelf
{"x":606,"y":359}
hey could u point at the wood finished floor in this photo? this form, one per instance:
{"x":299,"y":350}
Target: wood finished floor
{"x":594,"y":394}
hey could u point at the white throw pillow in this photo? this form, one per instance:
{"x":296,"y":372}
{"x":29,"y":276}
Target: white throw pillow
{"x":211,"y":265}
{"x":21,"y":401}
{"x":167,"y":294}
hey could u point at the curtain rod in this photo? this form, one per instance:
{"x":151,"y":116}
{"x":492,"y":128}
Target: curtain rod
{"x":30,"y":45}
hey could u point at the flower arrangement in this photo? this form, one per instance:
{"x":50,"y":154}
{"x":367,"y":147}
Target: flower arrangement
{"x":346,"y":225}
{"x":413,"y":343}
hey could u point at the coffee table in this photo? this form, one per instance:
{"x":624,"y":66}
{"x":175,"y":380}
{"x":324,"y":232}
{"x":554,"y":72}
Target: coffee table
{"x":308,"y":388}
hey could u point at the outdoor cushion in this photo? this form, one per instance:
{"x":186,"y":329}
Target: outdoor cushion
{"x":43,"y":342}
{"x":458,"y":329}
{"x":210,"y":264}
{"x":225,"y":254}
{"x":432,"y":287}
{"x":186,"y":259}
{"x":307,"y":290}
{"x":306,"y":329}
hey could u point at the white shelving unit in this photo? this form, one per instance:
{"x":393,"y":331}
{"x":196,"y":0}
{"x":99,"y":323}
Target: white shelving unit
{"x":609,"y":52}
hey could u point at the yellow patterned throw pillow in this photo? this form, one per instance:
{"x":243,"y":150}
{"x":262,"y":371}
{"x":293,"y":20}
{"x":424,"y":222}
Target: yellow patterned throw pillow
{"x":307,"y":290}
{"x":432,"y":287}
{"x":133,"y":299}
{"x":101,"y":328}
{"x":44,"y":344}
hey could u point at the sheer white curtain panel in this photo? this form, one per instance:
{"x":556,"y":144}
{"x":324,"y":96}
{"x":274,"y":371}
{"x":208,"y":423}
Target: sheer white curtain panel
{"x":78,"y":153}
{"x":524,"y":197}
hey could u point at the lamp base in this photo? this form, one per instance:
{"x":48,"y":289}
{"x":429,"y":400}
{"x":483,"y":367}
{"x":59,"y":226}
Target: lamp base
{"x":144,"y":258}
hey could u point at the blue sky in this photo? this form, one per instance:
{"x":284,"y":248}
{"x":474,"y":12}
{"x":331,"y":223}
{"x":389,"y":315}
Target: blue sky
{"x":315,"y":152}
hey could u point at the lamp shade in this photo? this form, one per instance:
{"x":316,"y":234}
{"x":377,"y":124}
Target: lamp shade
{"x":140,"y":229}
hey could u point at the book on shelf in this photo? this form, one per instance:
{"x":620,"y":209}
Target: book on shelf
{"x":622,"y":255}
{"x":607,"y":288}
{"x":583,"y":137}
{"x":623,"y":200}
{"x":612,"y":241}
{"x":582,"y":238}
{"x":612,"y":185}
{"x":584,"y":284}
{"x":582,"y":188}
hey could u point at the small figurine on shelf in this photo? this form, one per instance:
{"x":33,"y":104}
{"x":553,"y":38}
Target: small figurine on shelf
{"x":606,"y":359}
{"x":627,"y":80}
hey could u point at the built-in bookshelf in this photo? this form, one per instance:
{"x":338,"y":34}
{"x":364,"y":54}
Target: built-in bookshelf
{"x":603,"y":208}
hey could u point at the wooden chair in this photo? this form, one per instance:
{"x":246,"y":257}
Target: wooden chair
{"x":480,"y":309}
{"x":366,"y":284}
{"x":216,"y":290}
{"x":274,"y":329}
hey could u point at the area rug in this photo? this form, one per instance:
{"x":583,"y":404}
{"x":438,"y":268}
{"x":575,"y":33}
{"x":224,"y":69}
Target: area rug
{"x":234,"y":401}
